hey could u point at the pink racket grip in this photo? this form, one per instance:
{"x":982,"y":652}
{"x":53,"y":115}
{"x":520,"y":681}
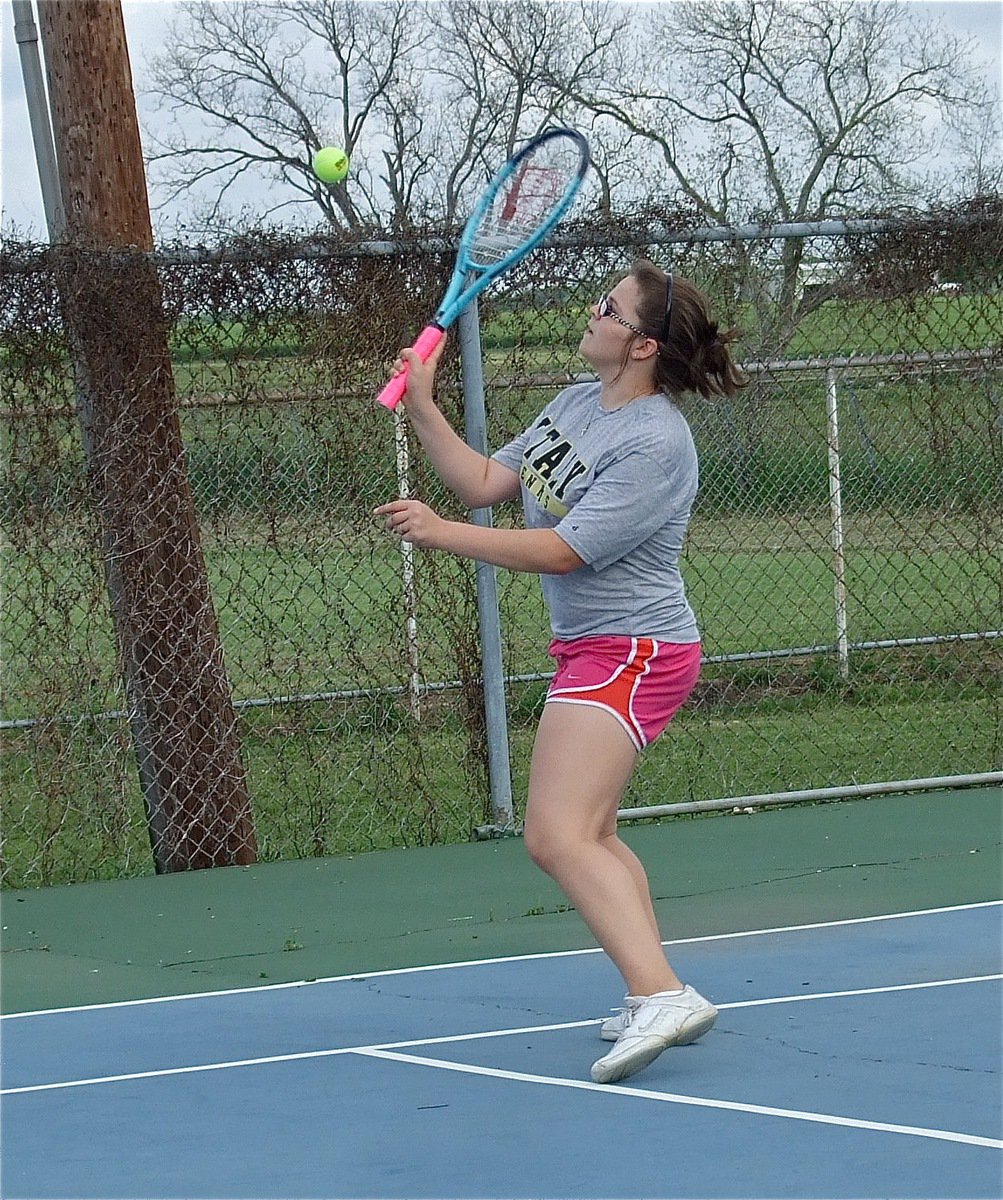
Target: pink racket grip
{"x":427,"y":341}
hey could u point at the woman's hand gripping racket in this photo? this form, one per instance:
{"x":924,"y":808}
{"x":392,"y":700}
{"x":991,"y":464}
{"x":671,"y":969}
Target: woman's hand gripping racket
{"x":517,"y":210}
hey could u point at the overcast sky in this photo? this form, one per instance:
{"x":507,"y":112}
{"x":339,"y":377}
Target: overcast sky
{"x":146,"y":21}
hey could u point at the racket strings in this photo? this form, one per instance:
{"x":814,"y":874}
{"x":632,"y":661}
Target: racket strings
{"x":526,"y":202}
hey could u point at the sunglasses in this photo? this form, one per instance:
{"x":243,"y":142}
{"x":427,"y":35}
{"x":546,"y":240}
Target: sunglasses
{"x":605,"y":309}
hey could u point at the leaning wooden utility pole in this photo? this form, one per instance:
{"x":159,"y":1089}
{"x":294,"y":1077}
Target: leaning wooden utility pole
{"x":183,"y":721}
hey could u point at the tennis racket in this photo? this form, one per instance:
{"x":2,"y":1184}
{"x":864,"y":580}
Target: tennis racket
{"x":516,"y":211}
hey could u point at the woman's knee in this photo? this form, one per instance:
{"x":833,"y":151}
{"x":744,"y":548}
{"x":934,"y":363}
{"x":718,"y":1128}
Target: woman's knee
{"x":545,"y":844}
{"x":553,"y":845}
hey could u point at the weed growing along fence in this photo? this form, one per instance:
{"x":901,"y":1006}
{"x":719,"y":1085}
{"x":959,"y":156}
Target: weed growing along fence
{"x":848,"y":638}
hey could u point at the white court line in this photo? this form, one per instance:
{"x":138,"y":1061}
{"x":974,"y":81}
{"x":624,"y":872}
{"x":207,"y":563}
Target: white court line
{"x":447,"y":1039}
{"x":872,"y":991}
{"x":790,"y":1114}
{"x":360,"y":976}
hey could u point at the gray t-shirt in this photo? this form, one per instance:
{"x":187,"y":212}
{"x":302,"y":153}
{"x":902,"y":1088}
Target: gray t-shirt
{"x":617,"y":486}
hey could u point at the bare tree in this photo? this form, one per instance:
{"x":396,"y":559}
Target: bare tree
{"x":733,"y":110}
{"x":272,"y":83}
{"x":424,"y":98}
{"x":514,"y":68}
{"x":977,"y":137}
{"x":766,"y":109}
{"x":381,"y":52}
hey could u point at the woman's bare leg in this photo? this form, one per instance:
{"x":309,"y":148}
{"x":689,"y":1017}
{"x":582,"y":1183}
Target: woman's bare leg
{"x":582,"y":761}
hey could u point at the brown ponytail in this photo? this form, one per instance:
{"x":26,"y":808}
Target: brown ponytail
{"x":694,"y":355}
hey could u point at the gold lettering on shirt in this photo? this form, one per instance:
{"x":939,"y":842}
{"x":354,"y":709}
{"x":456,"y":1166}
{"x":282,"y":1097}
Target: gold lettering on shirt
{"x":549,"y":465}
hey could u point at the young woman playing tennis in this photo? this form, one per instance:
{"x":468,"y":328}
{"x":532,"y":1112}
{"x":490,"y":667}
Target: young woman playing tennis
{"x":607,"y":474}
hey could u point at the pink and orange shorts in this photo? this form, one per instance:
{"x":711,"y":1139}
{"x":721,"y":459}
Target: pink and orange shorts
{"x":640,"y":681}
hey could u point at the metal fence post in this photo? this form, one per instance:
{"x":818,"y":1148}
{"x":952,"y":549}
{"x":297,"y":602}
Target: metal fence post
{"x":492,"y":666}
{"x":408,"y":587}
{"x":836,"y":516}
{"x":26,"y":36}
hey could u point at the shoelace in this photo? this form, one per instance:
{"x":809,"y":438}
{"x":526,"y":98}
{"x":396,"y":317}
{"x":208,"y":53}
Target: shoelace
{"x":628,"y":1011}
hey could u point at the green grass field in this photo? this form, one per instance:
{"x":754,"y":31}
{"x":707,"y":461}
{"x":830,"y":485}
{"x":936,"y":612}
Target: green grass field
{"x":924,"y":323}
{"x":837,"y":328}
{"x":911,"y":443}
{"x":219,"y":353}
{"x":309,"y":614}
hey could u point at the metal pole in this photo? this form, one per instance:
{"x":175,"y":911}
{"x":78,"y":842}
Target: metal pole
{"x":836,"y":515}
{"x":848,"y":791}
{"x":492,"y":665}
{"x":26,"y":36}
{"x":407,"y":570}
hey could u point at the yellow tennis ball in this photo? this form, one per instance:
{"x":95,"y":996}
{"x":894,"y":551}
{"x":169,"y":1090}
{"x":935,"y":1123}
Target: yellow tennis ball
{"x":330,"y":164}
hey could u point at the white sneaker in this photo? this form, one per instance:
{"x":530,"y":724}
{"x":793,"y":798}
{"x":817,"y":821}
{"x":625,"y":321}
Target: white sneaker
{"x":662,"y":1020}
{"x":613,"y":1026}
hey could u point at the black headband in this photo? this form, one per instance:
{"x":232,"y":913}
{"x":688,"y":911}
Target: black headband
{"x":668,"y":308}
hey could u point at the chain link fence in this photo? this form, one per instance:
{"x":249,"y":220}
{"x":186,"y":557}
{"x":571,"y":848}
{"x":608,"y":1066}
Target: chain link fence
{"x":210,"y":647}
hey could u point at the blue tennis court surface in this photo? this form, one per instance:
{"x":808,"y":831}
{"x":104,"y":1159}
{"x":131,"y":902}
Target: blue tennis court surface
{"x":856,"y":1058}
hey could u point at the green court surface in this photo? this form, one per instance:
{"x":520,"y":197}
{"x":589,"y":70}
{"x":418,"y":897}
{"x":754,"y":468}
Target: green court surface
{"x":281,"y":922}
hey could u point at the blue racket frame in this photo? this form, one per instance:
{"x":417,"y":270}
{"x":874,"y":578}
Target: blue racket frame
{"x":457,"y":295}
{"x":469,"y":278}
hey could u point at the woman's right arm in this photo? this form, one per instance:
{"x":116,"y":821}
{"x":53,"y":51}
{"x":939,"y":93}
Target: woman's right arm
{"x":476,"y":480}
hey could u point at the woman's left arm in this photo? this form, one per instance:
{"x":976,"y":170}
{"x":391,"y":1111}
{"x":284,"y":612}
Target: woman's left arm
{"x":539,"y":551}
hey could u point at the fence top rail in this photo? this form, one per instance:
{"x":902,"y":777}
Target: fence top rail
{"x":663,"y":235}
{"x":655,"y":235}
